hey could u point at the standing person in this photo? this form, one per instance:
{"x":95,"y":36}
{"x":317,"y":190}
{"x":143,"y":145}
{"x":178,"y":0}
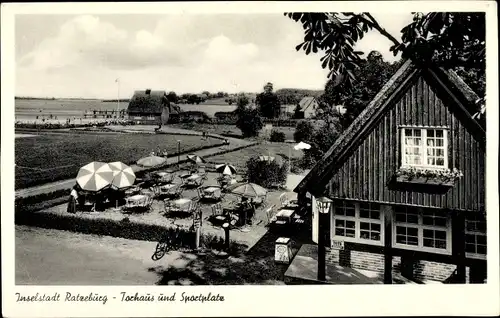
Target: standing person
{"x":72,"y":201}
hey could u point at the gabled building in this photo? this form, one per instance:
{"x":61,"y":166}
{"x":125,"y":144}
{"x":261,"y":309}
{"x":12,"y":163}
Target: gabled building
{"x":407,"y":180}
{"x":149,"y":107}
{"x":308,"y":106}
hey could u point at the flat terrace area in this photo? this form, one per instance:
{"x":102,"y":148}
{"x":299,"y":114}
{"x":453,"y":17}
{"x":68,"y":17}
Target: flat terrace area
{"x":155,"y":216}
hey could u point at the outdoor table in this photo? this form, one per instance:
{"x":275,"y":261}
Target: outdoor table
{"x":194,"y":179}
{"x":132,"y":191}
{"x":285,"y":215}
{"x":167,"y":188}
{"x":212,"y":192}
{"x":180,"y":205}
{"x":136,"y":199}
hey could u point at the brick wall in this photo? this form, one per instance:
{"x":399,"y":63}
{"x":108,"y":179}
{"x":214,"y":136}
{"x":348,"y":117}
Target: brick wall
{"x":422,"y":270}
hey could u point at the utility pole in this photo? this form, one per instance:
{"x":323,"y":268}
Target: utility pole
{"x":118,"y":99}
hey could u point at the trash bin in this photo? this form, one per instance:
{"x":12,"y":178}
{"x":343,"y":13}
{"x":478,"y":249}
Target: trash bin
{"x":283,"y":250}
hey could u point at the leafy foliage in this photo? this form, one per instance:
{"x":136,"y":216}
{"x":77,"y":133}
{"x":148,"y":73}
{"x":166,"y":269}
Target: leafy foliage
{"x":372,"y":74}
{"x":293,"y":96}
{"x":266,"y":173}
{"x":450,"y":39}
{"x":249,"y":122}
{"x":304,"y":131}
{"x":277,"y":136}
{"x":242,"y":101}
{"x":268,"y":102}
{"x":172,"y":97}
{"x":320,"y":136}
{"x":297,"y":112}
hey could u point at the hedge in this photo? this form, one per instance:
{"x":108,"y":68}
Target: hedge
{"x":266,"y":173}
{"x":29,"y":200}
{"x":124,"y":229}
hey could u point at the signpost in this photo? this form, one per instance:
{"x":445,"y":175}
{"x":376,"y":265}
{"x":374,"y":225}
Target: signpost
{"x":197,"y":222}
{"x":337,"y":245}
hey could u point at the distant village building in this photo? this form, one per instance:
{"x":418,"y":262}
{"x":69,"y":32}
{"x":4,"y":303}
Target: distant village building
{"x":287,"y":110}
{"x":308,"y":106}
{"x":149,"y":107}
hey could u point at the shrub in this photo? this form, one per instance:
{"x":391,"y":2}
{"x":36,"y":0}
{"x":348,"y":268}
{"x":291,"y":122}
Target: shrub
{"x":249,"y":122}
{"x":277,"y":136}
{"x":266,"y":173}
{"x":304,"y":131}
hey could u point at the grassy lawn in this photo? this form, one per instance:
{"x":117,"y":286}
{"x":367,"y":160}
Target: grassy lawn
{"x":51,"y":157}
{"x":240,"y":157}
{"x":228,"y":129}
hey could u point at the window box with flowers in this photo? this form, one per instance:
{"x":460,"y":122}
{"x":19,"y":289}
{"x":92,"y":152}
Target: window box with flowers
{"x":444,"y":177}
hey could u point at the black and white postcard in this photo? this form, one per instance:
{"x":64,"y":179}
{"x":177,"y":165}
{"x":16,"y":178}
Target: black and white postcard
{"x":250,"y":158}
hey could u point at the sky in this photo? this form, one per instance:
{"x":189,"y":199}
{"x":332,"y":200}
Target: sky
{"x":84,"y":55}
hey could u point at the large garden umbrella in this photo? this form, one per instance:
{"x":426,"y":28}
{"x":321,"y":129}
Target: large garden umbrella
{"x":123,"y":175}
{"x":248,"y":190}
{"x":195,"y":159}
{"x":225,"y":169}
{"x":151,"y":161}
{"x":94,"y":176}
{"x":301,"y":145}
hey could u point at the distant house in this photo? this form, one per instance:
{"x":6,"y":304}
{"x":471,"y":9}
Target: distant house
{"x":175,"y":111}
{"x":149,"y":107}
{"x":308,"y":106}
{"x":287,"y":110}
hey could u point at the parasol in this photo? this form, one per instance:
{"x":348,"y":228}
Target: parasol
{"x":151,"y":161}
{"x":302,"y":145}
{"x":123,"y":175}
{"x":195,"y":159}
{"x":225,"y":169}
{"x":94,"y":176}
{"x":248,"y":190}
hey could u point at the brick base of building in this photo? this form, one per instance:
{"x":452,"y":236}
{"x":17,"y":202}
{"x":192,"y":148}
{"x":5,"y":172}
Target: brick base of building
{"x":418,"y":270}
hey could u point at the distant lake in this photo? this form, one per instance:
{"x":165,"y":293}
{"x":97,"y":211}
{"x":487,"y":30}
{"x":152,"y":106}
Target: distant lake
{"x":64,"y":108}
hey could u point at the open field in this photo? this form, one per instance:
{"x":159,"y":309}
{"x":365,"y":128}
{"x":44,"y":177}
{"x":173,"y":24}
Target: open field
{"x":228,"y":129}
{"x":240,"y":157}
{"x":54,"y":156}
{"x":64,"y":108}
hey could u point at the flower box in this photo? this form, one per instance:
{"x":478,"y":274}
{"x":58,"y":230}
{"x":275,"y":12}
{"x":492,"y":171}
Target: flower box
{"x":424,"y":180}
{"x":428,"y":176}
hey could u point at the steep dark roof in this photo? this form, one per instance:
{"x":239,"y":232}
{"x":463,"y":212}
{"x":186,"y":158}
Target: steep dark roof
{"x":175,"y":109}
{"x":147,"y":101}
{"x":447,"y":79}
{"x":306,"y":102}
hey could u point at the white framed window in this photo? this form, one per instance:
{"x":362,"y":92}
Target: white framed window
{"x":358,"y":222}
{"x":475,"y":236}
{"x":424,"y":147}
{"x":419,"y":229}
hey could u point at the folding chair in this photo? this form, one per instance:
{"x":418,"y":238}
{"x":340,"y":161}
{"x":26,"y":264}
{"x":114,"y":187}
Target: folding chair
{"x":218,"y":213}
{"x":202,"y":172}
{"x":283,"y":200}
{"x":270,"y":214}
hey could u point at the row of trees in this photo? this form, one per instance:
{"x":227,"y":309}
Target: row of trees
{"x":194,"y":98}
